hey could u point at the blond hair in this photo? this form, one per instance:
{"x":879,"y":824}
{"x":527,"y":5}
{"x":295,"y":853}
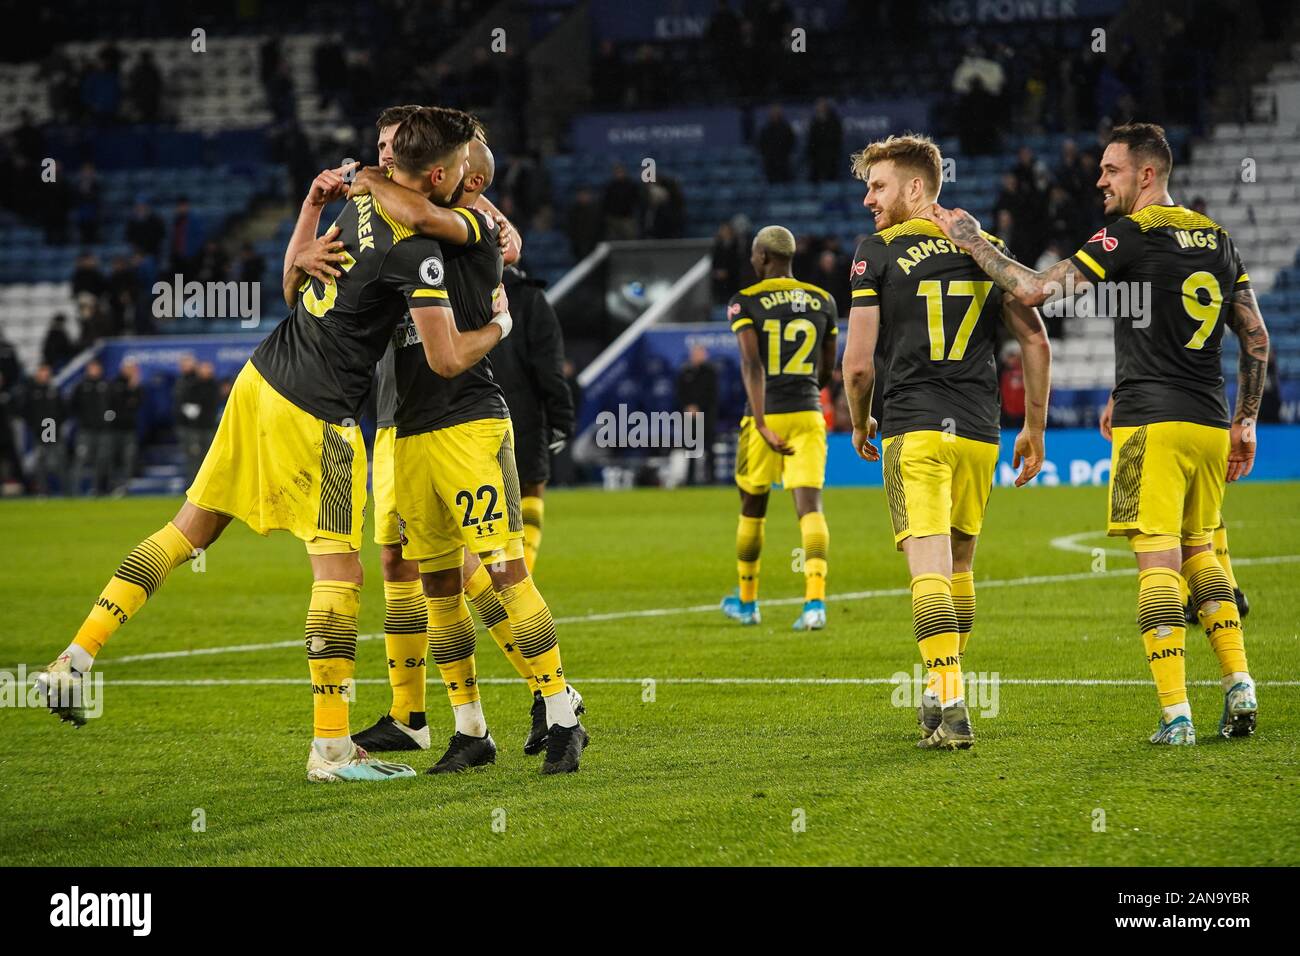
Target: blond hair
{"x":776,"y":240}
{"x":913,"y":152}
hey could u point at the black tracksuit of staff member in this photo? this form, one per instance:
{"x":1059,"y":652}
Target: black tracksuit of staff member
{"x":529,"y":367}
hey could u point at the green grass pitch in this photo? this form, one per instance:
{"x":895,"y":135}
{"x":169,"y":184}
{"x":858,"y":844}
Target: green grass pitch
{"x":759,"y":770}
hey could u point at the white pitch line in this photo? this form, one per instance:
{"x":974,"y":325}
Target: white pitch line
{"x":701,"y":609}
{"x":762,"y":681}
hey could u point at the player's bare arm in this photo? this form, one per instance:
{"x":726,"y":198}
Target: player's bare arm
{"x":512,"y":246}
{"x":755,"y":379}
{"x":408,"y":206}
{"x":860,"y":376}
{"x":1107,"y":414}
{"x":829,"y":350}
{"x":325,"y":189}
{"x":1247,"y":322}
{"x":1026,"y":325}
{"x":1029,"y":286}
{"x":450,"y":351}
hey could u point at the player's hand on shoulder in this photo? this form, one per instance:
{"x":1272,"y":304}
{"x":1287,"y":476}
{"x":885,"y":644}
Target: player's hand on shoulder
{"x":316,"y":257}
{"x":862,"y":441}
{"x":329,"y":185}
{"x":1028,"y":455}
{"x":775,"y":441}
{"x":505,"y":231}
{"x":957,"y":224}
{"x":365,"y":178}
{"x":1241,"y":456}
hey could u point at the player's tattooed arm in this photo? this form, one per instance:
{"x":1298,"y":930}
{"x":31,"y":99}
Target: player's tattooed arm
{"x":859,"y":368}
{"x":755,"y":379}
{"x":1247,"y":322}
{"x":1028,"y":286}
{"x":409,"y":207}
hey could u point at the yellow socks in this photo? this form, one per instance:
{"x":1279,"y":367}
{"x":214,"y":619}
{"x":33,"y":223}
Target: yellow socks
{"x":963,"y":600}
{"x":407,"y":643}
{"x":1164,"y":632}
{"x":934,"y":621}
{"x":141,"y":573}
{"x":451,"y":641}
{"x":479,"y":591}
{"x":749,"y":549}
{"x":534,"y":634}
{"x":1217,"y":610}
{"x":332,"y":653}
{"x":533,"y":509}
{"x":1221,"y":552}
{"x":815,"y":538}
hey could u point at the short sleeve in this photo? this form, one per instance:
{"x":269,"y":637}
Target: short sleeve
{"x":415,"y":268}
{"x":738,"y":313}
{"x":866,"y":271}
{"x":1110,"y":250}
{"x":1241,"y":278}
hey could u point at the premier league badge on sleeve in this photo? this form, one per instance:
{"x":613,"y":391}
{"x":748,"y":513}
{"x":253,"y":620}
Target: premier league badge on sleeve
{"x":431,"y":271}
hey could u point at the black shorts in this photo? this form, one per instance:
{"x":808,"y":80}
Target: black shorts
{"x":532,"y":456}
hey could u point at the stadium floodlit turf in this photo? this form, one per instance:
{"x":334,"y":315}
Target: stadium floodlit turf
{"x":796,"y":760}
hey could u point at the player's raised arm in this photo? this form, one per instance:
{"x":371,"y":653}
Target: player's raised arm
{"x":1028,"y":286}
{"x":325,"y":188}
{"x":1247,"y":322}
{"x":1026,"y":325}
{"x":410,"y":207}
{"x":860,"y":376}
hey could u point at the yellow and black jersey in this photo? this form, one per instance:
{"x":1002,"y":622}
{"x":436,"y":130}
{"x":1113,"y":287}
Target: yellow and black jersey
{"x":938,"y":330}
{"x":1182,"y":269}
{"x":322,"y":357}
{"x":792,"y":319}
{"x":426,"y":401}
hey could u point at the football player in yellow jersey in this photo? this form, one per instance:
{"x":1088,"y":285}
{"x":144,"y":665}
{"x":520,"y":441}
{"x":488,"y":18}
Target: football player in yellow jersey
{"x":288,"y":454}
{"x":787,"y":335}
{"x":1175,"y":443}
{"x":935,"y":318}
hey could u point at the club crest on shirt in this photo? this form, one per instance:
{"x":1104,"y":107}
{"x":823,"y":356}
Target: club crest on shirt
{"x":431,"y":271}
{"x":1109,"y":243}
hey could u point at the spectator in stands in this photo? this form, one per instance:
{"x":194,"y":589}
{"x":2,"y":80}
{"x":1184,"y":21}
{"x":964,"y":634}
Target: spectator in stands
{"x":665,"y":214}
{"x":123,"y":297}
{"x":697,"y":394}
{"x":1091,"y":208}
{"x":195,"y":401}
{"x":87,"y":277}
{"x":145,"y":230}
{"x":722,"y":36}
{"x":144,"y":88}
{"x":728,"y":252}
{"x":92,"y":407}
{"x":93,"y":323}
{"x":1062,"y":216}
{"x":1011,"y":383}
{"x":101,"y":87}
{"x":608,"y":77}
{"x":620,"y":205}
{"x":44,"y":413}
{"x":482,"y":80}
{"x":11,"y":368}
{"x":330,"y":66}
{"x":647,"y":81}
{"x":211,"y":264}
{"x":1069,"y":172}
{"x":978,"y":82}
{"x":1030,"y":172}
{"x":86,"y":203}
{"x":186,"y":238}
{"x":57,"y":348}
{"x":251,"y":267}
{"x":826,"y":161}
{"x":832,"y":274}
{"x":775,"y":145}
{"x":586,"y":223}
{"x":11,"y":464}
{"x":127,"y":396}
